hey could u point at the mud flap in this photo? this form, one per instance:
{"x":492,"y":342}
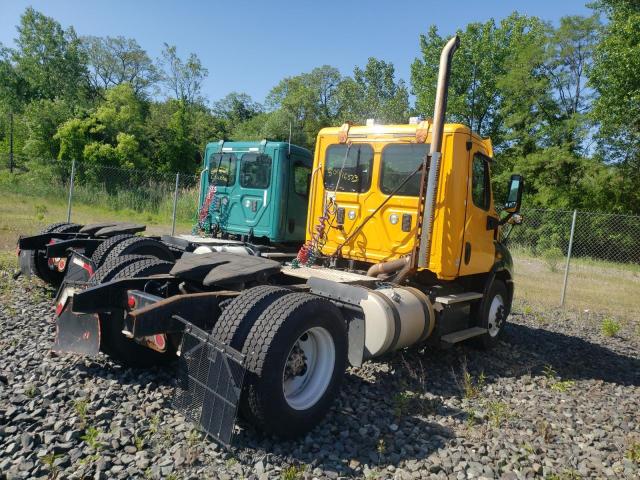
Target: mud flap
{"x":209,"y":384}
{"x":27,"y":268}
{"x":79,"y":268}
{"x":76,"y":332}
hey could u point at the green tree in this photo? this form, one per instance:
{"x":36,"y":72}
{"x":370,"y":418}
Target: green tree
{"x":616,"y":78}
{"x":305,"y":103}
{"x":113,"y":134}
{"x":41,"y":120}
{"x":486,"y":52}
{"x":116,"y":60}
{"x":48,"y":59}
{"x":183,"y":78}
{"x":374,"y":93}
{"x":234,"y":109}
{"x":544,"y":95}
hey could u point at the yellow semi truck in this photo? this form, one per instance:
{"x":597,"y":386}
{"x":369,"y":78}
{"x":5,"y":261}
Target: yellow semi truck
{"x":404,"y":247}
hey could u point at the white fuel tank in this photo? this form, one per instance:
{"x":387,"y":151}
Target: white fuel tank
{"x":396,"y":317}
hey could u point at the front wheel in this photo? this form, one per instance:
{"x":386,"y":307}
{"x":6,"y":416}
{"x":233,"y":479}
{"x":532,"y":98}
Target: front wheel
{"x":493,"y":314}
{"x":296,"y":354}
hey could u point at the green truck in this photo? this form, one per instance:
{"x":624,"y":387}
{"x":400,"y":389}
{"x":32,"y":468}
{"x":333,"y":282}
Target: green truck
{"x":260,"y":190}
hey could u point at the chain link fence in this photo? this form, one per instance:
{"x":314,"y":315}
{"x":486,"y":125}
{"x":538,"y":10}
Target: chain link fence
{"x":37,"y":193}
{"x":585,"y":260}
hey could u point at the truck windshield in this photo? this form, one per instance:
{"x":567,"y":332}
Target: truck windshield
{"x":255,"y":170}
{"x":399,"y":161}
{"x":348,"y":168}
{"x":222,"y":169}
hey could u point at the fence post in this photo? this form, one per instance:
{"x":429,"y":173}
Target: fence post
{"x":73,"y":176}
{"x":11,"y":141}
{"x":566,"y":268}
{"x":175,"y":204}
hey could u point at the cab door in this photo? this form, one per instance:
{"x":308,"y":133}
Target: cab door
{"x":478,"y":248}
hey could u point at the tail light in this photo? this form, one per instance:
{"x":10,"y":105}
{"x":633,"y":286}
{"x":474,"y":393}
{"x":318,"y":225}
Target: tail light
{"x":131,"y":302}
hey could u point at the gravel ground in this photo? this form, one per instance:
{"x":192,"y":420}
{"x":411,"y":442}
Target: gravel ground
{"x":556,"y":399}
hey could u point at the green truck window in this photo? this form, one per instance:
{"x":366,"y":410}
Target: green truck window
{"x":480,"y":182}
{"x":353,"y":172}
{"x":398,"y":162}
{"x":222,"y":169}
{"x":255,"y":170}
{"x":301,"y":178}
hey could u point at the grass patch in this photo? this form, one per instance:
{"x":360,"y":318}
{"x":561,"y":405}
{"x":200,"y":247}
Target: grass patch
{"x":90,"y":436}
{"x":633,"y":452}
{"x":22,"y":214}
{"x":498,"y":413}
{"x":538,"y":287}
{"x":292,"y":472}
{"x":81,"y":406}
{"x":470,"y":386}
{"x":555,"y":382}
{"x":610,"y":327}
{"x":553,"y":258}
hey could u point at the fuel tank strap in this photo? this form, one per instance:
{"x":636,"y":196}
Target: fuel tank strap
{"x":429,"y":314}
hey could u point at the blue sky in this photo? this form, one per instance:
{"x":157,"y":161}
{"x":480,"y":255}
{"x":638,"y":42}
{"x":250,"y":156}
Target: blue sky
{"x":249,"y":46}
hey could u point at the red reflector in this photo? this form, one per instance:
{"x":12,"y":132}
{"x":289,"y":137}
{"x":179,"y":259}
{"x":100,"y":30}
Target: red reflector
{"x":131,"y":301}
{"x":62,"y":264}
{"x":159,"y":340}
{"x":88,"y":268}
{"x":59,"y":309}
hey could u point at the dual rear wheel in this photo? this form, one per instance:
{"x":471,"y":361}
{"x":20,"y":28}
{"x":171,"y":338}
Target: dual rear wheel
{"x":295,"y":348}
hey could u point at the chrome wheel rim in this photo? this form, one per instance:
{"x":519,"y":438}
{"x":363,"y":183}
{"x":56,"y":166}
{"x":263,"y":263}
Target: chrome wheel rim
{"x":495,"y":320}
{"x":309,"y":368}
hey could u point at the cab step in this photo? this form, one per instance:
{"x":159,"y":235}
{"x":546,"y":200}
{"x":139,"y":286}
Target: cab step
{"x":462,"y":335}
{"x":458,"y":298}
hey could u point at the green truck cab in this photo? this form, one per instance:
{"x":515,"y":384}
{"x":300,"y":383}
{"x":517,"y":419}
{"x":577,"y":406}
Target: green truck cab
{"x":261,"y":190}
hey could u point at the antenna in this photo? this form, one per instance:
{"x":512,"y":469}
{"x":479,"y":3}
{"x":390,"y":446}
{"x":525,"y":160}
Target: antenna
{"x":289,"y":154}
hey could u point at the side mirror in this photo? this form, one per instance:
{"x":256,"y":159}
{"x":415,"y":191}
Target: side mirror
{"x":514,"y":198}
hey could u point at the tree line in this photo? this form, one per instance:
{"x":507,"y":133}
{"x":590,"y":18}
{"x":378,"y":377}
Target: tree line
{"x":560,"y":102}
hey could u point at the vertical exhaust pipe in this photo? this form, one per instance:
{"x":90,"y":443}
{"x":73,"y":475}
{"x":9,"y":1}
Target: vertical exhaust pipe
{"x":444,"y":73}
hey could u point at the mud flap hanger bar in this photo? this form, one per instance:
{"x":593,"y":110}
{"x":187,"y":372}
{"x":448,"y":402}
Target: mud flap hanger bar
{"x":111,"y":295}
{"x":168,"y":315}
{"x":59,"y":249}
{"x":39,"y":242}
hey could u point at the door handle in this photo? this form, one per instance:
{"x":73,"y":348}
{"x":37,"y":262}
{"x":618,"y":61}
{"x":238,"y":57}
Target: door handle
{"x":467,"y":253}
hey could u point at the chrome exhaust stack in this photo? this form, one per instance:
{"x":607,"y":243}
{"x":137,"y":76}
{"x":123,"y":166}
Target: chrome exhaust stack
{"x":439,"y":112}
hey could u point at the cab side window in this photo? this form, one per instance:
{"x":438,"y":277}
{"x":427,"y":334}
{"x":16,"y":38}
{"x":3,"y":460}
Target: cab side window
{"x":480,"y":186}
{"x":301,"y":177}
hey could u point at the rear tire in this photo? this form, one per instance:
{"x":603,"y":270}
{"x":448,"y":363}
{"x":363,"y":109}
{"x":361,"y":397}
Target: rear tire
{"x":142,"y":246}
{"x":239,"y":316}
{"x":296,"y":354}
{"x":39,"y":260}
{"x":112,"y":267}
{"x":121,"y":349}
{"x":104,"y":249}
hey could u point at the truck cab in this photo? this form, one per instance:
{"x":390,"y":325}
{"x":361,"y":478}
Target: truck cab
{"x":359,"y":167}
{"x":260,"y":190}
